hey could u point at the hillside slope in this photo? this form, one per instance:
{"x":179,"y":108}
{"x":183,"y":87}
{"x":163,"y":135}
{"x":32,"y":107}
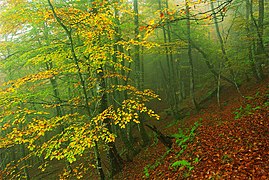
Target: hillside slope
{"x":232,"y":143}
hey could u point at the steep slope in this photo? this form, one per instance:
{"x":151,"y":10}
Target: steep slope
{"x":231,"y":143}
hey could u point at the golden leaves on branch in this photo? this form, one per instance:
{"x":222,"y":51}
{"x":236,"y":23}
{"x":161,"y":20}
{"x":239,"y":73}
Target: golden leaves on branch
{"x":96,"y":31}
{"x":79,"y":136}
{"x":15,"y":84}
{"x":129,"y":111}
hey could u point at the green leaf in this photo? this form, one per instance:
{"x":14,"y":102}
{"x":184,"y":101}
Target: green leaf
{"x":146,"y":171}
{"x":181,"y":163}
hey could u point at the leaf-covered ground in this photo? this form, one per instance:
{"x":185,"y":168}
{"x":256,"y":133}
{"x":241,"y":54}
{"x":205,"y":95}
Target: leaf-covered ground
{"x":231,"y":143}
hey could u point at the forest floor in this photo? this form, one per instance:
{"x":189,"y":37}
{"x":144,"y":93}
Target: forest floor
{"x":230,"y":143}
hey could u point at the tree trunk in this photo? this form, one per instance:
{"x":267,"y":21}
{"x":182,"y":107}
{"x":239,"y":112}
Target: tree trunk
{"x":137,"y":48}
{"x":223,"y":50}
{"x":166,"y":140}
{"x":260,"y":52}
{"x":122,"y":96}
{"x":142,"y":130}
{"x":171,"y":72}
{"x":218,"y":86}
{"x":113,"y":155}
{"x":192,"y":88}
{"x":250,"y":51}
{"x":260,"y":47}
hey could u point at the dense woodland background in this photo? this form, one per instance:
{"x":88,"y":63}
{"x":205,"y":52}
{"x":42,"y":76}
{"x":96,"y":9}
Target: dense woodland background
{"x":81,"y":80}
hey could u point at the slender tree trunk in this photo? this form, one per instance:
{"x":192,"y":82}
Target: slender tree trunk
{"x":142,"y":69}
{"x":98,"y":161}
{"x":250,"y":51}
{"x":180,"y":82}
{"x":137,"y":48}
{"x":192,"y":88}
{"x":129,"y":125}
{"x":142,"y":129}
{"x":218,"y":85}
{"x":260,"y":47}
{"x":169,"y":60}
{"x":173,"y":70}
{"x":260,"y":52}
{"x":223,"y":50}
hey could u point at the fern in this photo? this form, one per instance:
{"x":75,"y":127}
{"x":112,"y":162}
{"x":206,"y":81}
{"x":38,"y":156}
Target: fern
{"x":182,"y":163}
{"x":146,"y":171}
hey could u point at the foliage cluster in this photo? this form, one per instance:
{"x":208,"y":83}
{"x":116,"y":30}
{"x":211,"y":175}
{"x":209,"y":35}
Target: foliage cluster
{"x":68,"y":89}
{"x":75,"y":74}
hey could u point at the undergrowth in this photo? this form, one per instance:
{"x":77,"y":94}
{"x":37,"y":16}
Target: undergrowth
{"x":250,"y":109}
{"x":182,"y":140}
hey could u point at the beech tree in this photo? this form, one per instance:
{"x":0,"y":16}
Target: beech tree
{"x":74,"y":74}
{"x":58,"y":109}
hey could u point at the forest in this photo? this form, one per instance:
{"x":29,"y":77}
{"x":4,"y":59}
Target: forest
{"x":134,"y":89}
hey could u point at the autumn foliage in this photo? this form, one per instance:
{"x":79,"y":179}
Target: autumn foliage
{"x":70,"y":64}
{"x":78,"y":82}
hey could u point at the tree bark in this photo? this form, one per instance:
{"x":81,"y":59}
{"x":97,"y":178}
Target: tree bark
{"x":259,"y":28}
{"x":166,"y":140}
{"x":142,"y":130}
{"x":250,"y":51}
{"x":192,"y":88}
{"x":113,"y":155}
{"x":122,"y":96}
